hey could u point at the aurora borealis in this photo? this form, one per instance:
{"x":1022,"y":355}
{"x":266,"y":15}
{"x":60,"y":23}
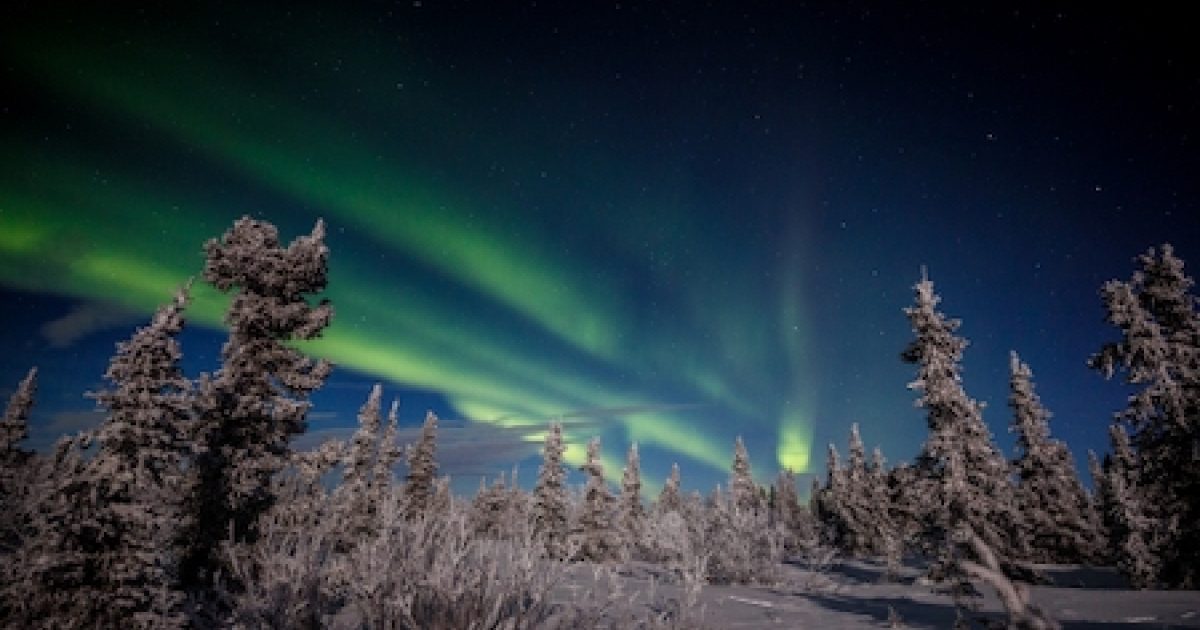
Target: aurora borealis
{"x":664,"y":224}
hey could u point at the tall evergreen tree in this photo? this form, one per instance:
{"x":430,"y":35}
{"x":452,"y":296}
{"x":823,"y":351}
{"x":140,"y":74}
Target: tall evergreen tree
{"x":419,"y":484}
{"x":550,"y":501}
{"x":1049,"y":495}
{"x":956,"y":433}
{"x":1159,"y":354}
{"x":258,"y":399}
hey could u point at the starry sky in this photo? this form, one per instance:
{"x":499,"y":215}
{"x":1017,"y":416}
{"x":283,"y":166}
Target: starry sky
{"x":659,"y":222}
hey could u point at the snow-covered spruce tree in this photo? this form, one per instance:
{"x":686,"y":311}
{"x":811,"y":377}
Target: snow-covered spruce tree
{"x":743,"y":491}
{"x":258,"y":399}
{"x":956,"y":427}
{"x":669,"y":498}
{"x":889,"y":540}
{"x":387,"y":454}
{"x":106,"y":528}
{"x":550,"y":500}
{"x":830,"y":502}
{"x":419,"y":484}
{"x":489,"y":509}
{"x":1131,"y":532}
{"x":14,"y":427}
{"x":45,"y":580}
{"x":598,"y":540}
{"x":859,"y":510}
{"x":631,"y":514}
{"x":356,"y":497}
{"x":136,"y":475}
{"x":1159,"y":354}
{"x":367,"y":471}
{"x":1098,"y":499}
{"x":797,"y":523}
{"x":1049,"y":495}
{"x":15,"y":462}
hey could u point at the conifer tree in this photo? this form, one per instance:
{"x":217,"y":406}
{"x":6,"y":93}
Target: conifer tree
{"x":631,"y":515}
{"x":387,"y":454}
{"x":595,"y":532}
{"x":102,"y":545}
{"x":489,"y":509}
{"x":49,"y":578}
{"x":135,"y":478}
{"x":258,"y":399}
{"x":14,"y":428}
{"x":670,"y":499}
{"x":1049,"y":495}
{"x":956,"y":431}
{"x":743,"y":490}
{"x":1158,"y":353}
{"x":419,"y":484}
{"x":15,"y":462}
{"x":1127,"y":517}
{"x":1099,"y":501}
{"x":831,"y":502}
{"x":550,"y":501}
{"x":354,"y":496}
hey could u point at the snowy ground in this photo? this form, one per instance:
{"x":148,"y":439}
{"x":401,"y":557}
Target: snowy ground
{"x":850,"y":595}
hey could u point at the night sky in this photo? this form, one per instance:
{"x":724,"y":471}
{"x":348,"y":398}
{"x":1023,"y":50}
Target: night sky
{"x":661,"y":222}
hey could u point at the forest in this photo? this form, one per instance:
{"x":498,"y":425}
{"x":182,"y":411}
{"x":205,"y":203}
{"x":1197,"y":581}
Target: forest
{"x":188,"y":507}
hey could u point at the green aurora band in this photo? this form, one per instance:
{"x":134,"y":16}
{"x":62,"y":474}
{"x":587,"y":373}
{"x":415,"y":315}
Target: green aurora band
{"x":120,"y":238}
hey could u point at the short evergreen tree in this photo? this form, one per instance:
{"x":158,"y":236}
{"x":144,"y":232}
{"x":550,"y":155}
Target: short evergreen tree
{"x":15,"y":462}
{"x":550,"y":500}
{"x":669,"y":498}
{"x":1049,"y":495}
{"x":597,"y":538}
{"x":489,"y":509}
{"x":387,"y":454}
{"x":743,"y":491}
{"x":419,"y":483}
{"x":1158,"y":353}
{"x":355,"y":496}
{"x":631,"y":514}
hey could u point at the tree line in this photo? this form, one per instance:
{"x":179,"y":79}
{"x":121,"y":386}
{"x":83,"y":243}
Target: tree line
{"x":188,"y":507}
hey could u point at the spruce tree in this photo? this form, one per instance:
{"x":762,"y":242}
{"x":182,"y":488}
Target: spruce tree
{"x":489,"y":509}
{"x":1127,"y":517}
{"x":631,"y":515}
{"x":550,"y":501}
{"x":670,"y":499}
{"x":1049,"y":495}
{"x":355,"y":494}
{"x":743,"y":491}
{"x":258,"y":399}
{"x":15,"y":462}
{"x":419,"y":483}
{"x":598,"y":541}
{"x":1158,"y":353}
{"x":387,"y":454}
{"x":956,"y":432}
{"x":135,"y":478}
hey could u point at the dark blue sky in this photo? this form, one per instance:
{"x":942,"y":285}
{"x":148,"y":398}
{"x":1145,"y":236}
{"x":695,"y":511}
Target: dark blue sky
{"x":663,"y":222}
